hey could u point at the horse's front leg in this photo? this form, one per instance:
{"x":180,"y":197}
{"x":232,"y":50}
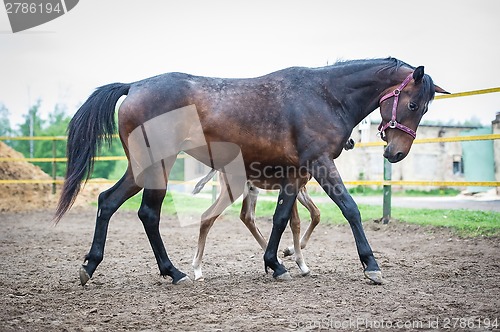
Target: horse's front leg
{"x":325,"y":172}
{"x":286,"y":200}
{"x":109,"y":201}
{"x":149,"y":213}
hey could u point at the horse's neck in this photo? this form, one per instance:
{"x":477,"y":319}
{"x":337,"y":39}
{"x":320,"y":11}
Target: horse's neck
{"x":359,"y":95}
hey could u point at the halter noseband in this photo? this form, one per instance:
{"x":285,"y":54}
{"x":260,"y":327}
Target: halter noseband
{"x":393,"y":123}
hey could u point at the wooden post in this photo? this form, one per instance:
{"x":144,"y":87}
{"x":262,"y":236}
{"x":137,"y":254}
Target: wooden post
{"x":387,"y":192}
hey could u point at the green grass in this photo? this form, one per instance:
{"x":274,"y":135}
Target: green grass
{"x":368,"y":191}
{"x":465,"y":223}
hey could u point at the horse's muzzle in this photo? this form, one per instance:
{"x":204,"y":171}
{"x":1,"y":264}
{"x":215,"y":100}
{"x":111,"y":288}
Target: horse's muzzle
{"x":394,"y":157}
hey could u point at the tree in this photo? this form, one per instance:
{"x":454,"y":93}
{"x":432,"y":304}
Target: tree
{"x":55,"y":125}
{"x":32,"y":125}
{"x":5,"y":129}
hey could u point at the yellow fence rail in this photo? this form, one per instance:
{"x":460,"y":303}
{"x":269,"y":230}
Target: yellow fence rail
{"x":468,"y":93}
{"x":353,"y":183}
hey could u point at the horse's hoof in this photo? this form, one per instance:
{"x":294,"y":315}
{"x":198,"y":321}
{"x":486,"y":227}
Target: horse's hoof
{"x":284,"y":277}
{"x":185,"y":281}
{"x":288,"y":252}
{"x":375,"y":277}
{"x":305,"y":273}
{"x":201,"y":279}
{"x":84,"y":276}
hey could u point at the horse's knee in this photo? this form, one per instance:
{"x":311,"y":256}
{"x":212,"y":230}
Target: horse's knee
{"x":352,"y":214}
{"x":148,"y":216}
{"x":349,"y":208}
{"x":295,"y":224}
{"x":315,"y":216}
{"x":206,"y":224}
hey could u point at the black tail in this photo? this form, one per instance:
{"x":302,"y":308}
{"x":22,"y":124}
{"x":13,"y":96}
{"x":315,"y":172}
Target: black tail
{"x":93,"y":123}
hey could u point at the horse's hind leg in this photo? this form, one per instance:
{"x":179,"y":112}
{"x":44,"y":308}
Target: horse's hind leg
{"x":306,"y":201}
{"x":149,"y":213}
{"x":295,"y":226}
{"x":207,"y":221}
{"x":247,"y":215}
{"x":109,"y":201}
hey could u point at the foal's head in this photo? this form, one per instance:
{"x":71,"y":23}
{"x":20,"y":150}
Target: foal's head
{"x":402,"y":109}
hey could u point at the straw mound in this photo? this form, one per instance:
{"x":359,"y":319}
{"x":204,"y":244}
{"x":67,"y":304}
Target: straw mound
{"x":22,"y":197}
{"x":33,"y":196}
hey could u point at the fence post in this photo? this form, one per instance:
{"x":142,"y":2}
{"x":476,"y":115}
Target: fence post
{"x":214,"y":188}
{"x":387,"y":192}
{"x":54,"y":166}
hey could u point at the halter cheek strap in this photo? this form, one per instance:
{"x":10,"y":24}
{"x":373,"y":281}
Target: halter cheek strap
{"x":393,"y":123}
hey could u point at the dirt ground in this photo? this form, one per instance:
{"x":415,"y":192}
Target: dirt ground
{"x":433,"y":279}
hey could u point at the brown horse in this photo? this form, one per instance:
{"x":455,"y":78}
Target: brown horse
{"x":276,"y":129}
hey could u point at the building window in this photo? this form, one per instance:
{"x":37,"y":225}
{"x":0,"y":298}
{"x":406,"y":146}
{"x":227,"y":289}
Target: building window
{"x":458,"y":165}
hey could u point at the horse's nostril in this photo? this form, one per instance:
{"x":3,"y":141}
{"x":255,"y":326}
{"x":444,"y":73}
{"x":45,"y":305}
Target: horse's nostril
{"x":394,"y":158}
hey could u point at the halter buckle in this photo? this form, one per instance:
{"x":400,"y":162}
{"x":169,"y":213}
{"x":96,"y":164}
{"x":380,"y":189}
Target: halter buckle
{"x":392,"y":124}
{"x":397,"y":92}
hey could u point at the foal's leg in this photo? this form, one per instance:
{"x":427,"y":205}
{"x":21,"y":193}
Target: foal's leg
{"x":247,"y":215}
{"x":306,"y":201}
{"x":325,"y":171}
{"x":149,"y":213}
{"x":109,"y":201}
{"x":295,"y":226}
{"x":207,"y":221}
{"x":208,"y":218}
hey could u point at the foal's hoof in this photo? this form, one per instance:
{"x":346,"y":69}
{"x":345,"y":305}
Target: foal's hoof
{"x":284,"y":277}
{"x":305,"y":273}
{"x":375,"y":277}
{"x":185,"y":281}
{"x":84,"y":276}
{"x":288,"y":252}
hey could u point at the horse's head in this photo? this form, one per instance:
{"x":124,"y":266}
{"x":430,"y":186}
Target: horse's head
{"x":402,"y":109}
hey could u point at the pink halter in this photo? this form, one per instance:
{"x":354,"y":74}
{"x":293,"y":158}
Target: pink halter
{"x":393,"y":123}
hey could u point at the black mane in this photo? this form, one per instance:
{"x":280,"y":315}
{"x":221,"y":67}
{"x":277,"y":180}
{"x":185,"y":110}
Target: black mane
{"x":389,"y":63}
{"x":392,"y":64}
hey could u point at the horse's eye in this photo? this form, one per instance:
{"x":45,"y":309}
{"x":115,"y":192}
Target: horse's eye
{"x":412,"y":106}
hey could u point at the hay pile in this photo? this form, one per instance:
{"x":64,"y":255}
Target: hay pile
{"x":22,"y":197}
{"x":34,"y":196}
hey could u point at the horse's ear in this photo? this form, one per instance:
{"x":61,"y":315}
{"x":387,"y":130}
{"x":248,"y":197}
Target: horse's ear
{"x":418,"y":74}
{"x":439,"y":89}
